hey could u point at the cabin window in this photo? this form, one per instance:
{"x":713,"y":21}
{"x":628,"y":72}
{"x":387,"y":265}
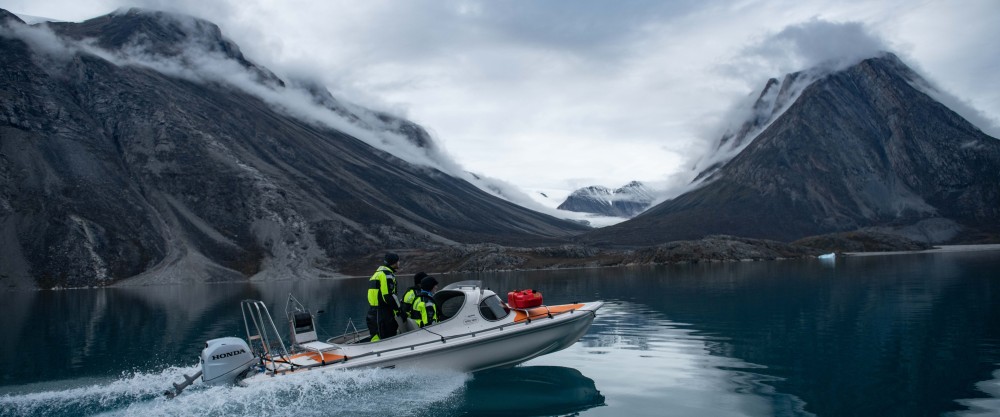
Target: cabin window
{"x":448,"y":303}
{"x":492,"y":309}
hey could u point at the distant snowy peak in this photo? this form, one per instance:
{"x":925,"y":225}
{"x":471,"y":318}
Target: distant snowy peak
{"x":634,"y":191}
{"x":626,"y":201}
{"x":595,"y":193}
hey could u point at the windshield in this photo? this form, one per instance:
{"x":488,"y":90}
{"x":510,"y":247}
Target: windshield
{"x":492,"y":309}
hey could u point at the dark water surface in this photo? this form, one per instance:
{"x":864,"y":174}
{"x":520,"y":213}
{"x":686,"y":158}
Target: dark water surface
{"x":909,"y":335}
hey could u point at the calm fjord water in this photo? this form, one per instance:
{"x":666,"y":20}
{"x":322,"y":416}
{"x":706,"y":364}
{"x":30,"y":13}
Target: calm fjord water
{"x":905,"y":335}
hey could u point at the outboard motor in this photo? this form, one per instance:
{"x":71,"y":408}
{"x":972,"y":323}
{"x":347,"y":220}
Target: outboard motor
{"x":224,"y":359}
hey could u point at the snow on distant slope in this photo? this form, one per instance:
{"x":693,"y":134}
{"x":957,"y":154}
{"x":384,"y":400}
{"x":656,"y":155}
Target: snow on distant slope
{"x":626,"y":201}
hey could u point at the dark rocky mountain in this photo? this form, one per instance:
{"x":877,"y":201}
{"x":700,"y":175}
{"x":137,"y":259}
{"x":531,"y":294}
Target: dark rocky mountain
{"x":111,"y":170}
{"x":769,"y":104}
{"x":626,"y":201}
{"x":861,"y":147}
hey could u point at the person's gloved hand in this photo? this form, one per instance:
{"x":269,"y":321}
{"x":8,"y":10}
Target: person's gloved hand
{"x":401,"y":314}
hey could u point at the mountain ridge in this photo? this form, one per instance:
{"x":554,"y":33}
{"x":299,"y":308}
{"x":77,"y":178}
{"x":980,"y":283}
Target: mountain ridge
{"x":118,"y":171}
{"x":860,"y":147}
{"x":113,"y":172}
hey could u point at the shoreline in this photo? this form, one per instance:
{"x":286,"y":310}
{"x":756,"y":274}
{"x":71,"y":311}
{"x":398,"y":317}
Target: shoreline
{"x":329,"y":275}
{"x":936,"y":249}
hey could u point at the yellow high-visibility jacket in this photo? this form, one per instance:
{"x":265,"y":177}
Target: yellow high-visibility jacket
{"x":424,"y":311}
{"x":408,"y":298}
{"x":382,"y":289}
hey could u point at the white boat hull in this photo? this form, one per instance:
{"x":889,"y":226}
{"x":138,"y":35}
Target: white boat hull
{"x":497,"y":348}
{"x":472,"y":346}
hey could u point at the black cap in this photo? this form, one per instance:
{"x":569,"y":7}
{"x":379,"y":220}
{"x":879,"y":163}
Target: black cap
{"x":428,"y":283}
{"x":417,"y":277}
{"x":390,"y":258}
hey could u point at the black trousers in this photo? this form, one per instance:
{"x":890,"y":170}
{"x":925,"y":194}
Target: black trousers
{"x":382,"y":322}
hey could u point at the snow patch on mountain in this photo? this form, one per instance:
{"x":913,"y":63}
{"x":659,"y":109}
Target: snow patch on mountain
{"x":625,"y":202}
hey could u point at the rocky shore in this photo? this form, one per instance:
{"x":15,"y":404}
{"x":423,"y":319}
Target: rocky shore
{"x":489,"y":257}
{"x":458,"y":259}
{"x":716,"y":248}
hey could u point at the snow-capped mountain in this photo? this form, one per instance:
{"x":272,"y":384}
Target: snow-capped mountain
{"x":626,"y":201}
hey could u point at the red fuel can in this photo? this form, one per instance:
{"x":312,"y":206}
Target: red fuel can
{"x":524,"y":299}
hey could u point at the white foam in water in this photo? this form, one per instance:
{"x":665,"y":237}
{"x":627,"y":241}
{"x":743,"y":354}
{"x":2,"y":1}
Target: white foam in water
{"x":985,"y":407}
{"x":374,"y":392}
{"x":93,"y":398}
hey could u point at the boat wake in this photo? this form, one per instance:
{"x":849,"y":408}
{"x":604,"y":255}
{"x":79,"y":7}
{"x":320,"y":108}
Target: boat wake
{"x":982,"y":407}
{"x":349,"y":392}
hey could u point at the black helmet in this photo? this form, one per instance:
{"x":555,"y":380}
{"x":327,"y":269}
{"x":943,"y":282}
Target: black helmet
{"x":428,"y":283}
{"x":417,"y":277}
{"x":390,"y":258}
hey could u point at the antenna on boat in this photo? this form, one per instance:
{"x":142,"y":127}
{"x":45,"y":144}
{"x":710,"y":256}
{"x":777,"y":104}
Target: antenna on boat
{"x":294,"y":303}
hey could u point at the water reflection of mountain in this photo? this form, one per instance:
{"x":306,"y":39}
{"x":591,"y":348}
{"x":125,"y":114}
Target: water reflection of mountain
{"x":107,"y":331}
{"x":91,"y":332}
{"x":530,"y":391}
{"x":905,"y":334}
{"x":856,"y":329}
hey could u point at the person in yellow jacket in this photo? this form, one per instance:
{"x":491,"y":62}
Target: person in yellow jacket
{"x":411,"y":293}
{"x":382,"y":304}
{"x":424,"y":311}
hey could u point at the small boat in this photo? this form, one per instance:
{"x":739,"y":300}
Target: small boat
{"x":477,"y":331}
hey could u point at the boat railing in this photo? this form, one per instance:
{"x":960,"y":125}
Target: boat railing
{"x":349,"y":336}
{"x":262,"y":334}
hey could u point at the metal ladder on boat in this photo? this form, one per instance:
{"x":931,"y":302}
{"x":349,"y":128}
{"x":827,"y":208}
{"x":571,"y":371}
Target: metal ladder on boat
{"x":264,"y":333}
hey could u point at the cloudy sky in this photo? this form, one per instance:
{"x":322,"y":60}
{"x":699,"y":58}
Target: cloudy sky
{"x":555,"y":95}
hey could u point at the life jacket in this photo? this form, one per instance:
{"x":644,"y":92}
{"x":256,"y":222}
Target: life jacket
{"x":408,"y":298}
{"x":382,"y":288}
{"x":424,"y":311}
